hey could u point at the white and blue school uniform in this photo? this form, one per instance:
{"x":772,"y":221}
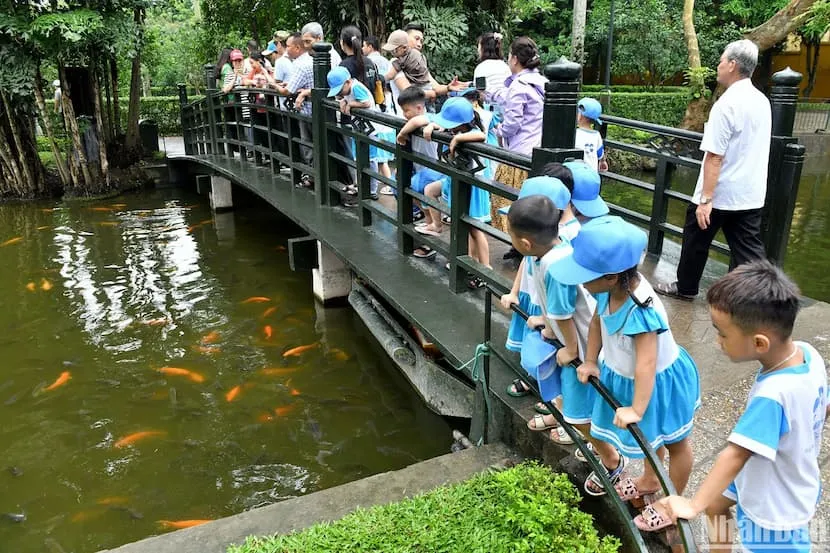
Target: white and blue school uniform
{"x":559,"y":302}
{"x":359,"y":93}
{"x":479,"y":198}
{"x":590,"y":142}
{"x":782,"y":427}
{"x":676,"y":395}
{"x":518,"y":328}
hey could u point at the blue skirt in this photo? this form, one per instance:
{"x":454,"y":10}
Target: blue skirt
{"x":577,"y":398}
{"x":670,"y":414}
{"x":422,"y":178}
{"x":518,"y":326}
{"x":379,"y":154}
{"x":479,"y":201}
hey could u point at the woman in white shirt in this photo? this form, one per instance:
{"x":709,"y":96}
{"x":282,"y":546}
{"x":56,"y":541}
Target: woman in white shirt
{"x":491,"y":63}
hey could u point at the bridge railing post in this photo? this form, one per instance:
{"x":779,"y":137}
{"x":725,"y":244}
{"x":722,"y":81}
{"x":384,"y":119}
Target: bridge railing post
{"x":786,"y":158}
{"x":210,"y":88}
{"x":319,"y":116}
{"x":184,"y":120}
{"x":559,"y":114}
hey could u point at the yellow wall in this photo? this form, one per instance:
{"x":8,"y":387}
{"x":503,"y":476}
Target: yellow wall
{"x":794,"y":55}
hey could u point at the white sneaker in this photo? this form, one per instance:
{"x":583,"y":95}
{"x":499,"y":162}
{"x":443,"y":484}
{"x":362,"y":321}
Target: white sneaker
{"x":387,"y":191}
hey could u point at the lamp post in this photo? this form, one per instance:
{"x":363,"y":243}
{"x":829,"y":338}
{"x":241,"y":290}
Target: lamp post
{"x":610,"y":48}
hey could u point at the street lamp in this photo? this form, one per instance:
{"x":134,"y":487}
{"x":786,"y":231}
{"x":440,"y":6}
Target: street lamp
{"x":610,"y":48}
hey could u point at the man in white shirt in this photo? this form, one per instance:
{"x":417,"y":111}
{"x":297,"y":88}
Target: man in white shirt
{"x":312,"y":34}
{"x":732,"y":184}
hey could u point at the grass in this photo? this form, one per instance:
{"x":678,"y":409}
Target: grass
{"x":524,"y":509}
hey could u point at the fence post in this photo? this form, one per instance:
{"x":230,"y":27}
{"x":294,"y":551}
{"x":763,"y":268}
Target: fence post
{"x":559,"y":114}
{"x":322,"y":64}
{"x":186,"y":135}
{"x":210,"y":87}
{"x":783,"y":175}
{"x":659,"y":208}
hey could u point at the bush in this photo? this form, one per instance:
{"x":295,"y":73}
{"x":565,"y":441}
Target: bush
{"x":663,"y":108}
{"x":633,"y":88}
{"x":524,"y":509}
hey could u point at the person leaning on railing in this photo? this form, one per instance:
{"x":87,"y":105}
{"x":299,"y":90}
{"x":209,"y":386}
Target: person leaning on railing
{"x":521,"y":101}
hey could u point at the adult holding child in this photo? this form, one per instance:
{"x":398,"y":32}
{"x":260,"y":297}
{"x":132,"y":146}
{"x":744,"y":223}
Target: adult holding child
{"x":521,"y":101}
{"x":732,"y":185}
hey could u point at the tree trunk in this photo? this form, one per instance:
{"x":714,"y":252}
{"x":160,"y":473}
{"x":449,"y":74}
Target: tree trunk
{"x":116,"y":108}
{"x":107,"y":100}
{"x":99,"y":127}
{"x":63,"y":170}
{"x":132,"y":140}
{"x":690,"y":34}
{"x":813,"y":50}
{"x":775,"y":29}
{"x":578,"y":32}
{"x":79,"y":157}
{"x":15,"y":179}
{"x":30,"y":181}
{"x":375,"y":13}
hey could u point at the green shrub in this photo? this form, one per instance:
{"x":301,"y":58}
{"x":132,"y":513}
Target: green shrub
{"x":633,"y":88}
{"x":524,"y":509}
{"x":663,"y":108}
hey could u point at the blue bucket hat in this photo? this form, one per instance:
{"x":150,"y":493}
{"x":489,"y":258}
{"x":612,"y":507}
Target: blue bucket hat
{"x":604,"y":246}
{"x":270,"y":49}
{"x":591,"y":109}
{"x":551,"y":187}
{"x":538,"y":358}
{"x":585,"y":196}
{"x":454,"y":113}
{"x":336,"y":78}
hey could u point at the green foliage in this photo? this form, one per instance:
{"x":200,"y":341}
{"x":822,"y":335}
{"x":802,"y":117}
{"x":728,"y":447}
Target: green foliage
{"x":664,"y":108}
{"x":528,"y":509}
{"x":817,"y":22}
{"x":698,"y":80}
{"x":751,"y":13}
{"x":164,"y":110}
{"x":172,"y":52}
{"x":448,"y":49}
{"x":548,"y":22}
{"x":633,"y":88}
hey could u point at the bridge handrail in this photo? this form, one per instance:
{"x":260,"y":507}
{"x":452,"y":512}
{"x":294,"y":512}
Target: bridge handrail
{"x":686,"y":535}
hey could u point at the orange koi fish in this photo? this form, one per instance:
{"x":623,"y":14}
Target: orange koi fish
{"x":12,"y":241}
{"x":210,"y":337}
{"x":176,"y":371}
{"x":45,"y":285}
{"x":268,"y":312}
{"x":340,"y":355}
{"x":191,"y":228}
{"x":83,"y":516}
{"x":277,"y":372}
{"x":156,"y":322}
{"x":118,"y":206}
{"x":179,"y":524}
{"x":265,"y":417}
{"x":205,"y":222}
{"x":268,"y":331}
{"x":233,"y":393}
{"x":60,"y":381}
{"x":282,"y":411}
{"x":257,"y":299}
{"x":295,"y":392}
{"x":300,"y":349}
{"x":208,"y":350}
{"x":31,"y":287}
{"x":48,"y":209}
{"x":99,"y":209}
{"x":130,"y":439}
{"x":44,"y":227}
{"x":114,"y":500}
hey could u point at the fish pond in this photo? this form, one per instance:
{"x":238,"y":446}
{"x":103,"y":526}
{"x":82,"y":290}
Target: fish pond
{"x":162,"y":365}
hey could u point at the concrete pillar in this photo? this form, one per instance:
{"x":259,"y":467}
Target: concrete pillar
{"x":225,"y":226}
{"x":331,"y":280}
{"x":220,"y":194}
{"x":203,"y":184}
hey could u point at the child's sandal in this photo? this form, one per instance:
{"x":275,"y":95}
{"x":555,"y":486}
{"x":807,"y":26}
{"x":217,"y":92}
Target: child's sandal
{"x":559,"y":436}
{"x":651,"y":520}
{"x":541,"y":408}
{"x":627,"y":490}
{"x":517,"y":388}
{"x":580,"y":456}
{"x":537,"y":424}
{"x":593,"y":485}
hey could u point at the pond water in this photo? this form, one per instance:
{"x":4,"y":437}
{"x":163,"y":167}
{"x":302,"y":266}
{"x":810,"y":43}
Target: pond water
{"x":148,"y":374}
{"x":807,"y":261}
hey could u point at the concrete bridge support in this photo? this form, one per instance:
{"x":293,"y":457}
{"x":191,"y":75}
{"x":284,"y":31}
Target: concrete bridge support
{"x":331,"y":280}
{"x":221,"y":198}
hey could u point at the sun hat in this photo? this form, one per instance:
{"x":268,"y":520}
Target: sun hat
{"x":604,"y":246}
{"x":585,"y":196}
{"x":336,"y":78}
{"x":281,"y":35}
{"x":591,"y":109}
{"x":236,"y":55}
{"x":454,"y":113}
{"x":538,"y":358}
{"x":270,"y":49}
{"x":396,"y":40}
{"x":551,"y":187}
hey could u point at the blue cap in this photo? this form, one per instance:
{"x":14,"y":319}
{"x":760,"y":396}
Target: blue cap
{"x":336,"y":78}
{"x":585,"y":196}
{"x":551,"y":187}
{"x":454,"y":113}
{"x":270,"y":49}
{"x":590,"y":108}
{"x":604,"y":246}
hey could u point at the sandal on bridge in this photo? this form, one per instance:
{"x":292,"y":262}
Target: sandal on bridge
{"x":517,"y":388}
{"x":559,"y":436}
{"x":580,"y":456}
{"x":537,"y":423}
{"x":652,"y":520}
{"x":628,"y":490}
{"x":593,"y":485}
{"x":541,"y":408}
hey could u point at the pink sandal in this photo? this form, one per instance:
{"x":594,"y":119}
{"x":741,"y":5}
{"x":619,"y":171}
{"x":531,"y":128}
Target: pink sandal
{"x":651,"y":520}
{"x":628,"y":490}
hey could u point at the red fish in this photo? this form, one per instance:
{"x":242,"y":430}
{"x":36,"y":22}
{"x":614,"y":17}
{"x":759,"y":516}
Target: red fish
{"x":61,"y":380}
{"x":210,"y":337}
{"x":257,"y":299}
{"x":177,"y":371}
{"x":300,"y":349}
{"x":277,"y":372}
{"x":295,"y":392}
{"x":179,"y":524}
{"x":233,"y":393}
{"x":130,"y":439}
{"x":282,"y":411}
{"x":268,"y":331}
{"x":12,"y":241}
{"x":268,"y":312}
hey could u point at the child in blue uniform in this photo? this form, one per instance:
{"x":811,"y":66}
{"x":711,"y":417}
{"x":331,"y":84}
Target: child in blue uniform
{"x":769,"y":467}
{"x":652,"y":377}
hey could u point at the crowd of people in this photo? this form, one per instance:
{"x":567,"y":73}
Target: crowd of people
{"x":578,"y":277}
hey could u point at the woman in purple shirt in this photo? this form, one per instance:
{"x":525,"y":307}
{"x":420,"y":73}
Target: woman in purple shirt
{"x":521,"y":100}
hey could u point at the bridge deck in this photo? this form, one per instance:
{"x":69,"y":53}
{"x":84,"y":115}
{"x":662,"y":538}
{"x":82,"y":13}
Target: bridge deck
{"x":454,"y":322}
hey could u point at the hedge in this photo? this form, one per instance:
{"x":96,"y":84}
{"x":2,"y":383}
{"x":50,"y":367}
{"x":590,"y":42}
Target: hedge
{"x":664,"y":108}
{"x":526,"y":509}
{"x":633,"y":88}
